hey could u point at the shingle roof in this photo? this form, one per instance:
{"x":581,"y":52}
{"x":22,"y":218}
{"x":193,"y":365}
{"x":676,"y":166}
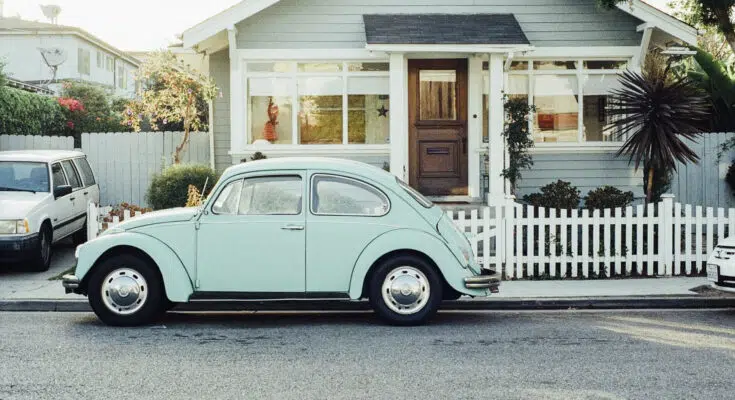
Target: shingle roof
{"x":443,"y":29}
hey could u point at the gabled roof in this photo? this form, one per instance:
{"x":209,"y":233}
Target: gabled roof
{"x":247,"y":8}
{"x":17,"y":26}
{"x":443,"y":29}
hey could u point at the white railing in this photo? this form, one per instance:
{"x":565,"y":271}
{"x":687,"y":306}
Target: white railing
{"x":666,"y":238}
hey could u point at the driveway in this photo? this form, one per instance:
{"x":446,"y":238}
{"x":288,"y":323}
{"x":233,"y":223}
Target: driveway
{"x":17,"y":282}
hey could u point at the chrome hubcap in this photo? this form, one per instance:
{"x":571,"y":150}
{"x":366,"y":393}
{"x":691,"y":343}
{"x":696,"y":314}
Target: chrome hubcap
{"x":124,"y":291}
{"x":406,"y":290}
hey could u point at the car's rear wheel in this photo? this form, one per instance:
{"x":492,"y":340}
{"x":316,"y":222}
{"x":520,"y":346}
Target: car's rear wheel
{"x":41,"y":260}
{"x":405,"y":290}
{"x":126,"y":290}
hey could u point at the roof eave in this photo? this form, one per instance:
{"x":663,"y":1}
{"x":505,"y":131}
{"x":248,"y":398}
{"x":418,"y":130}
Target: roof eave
{"x":661,"y":20}
{"x":222,"y":21}
{"x":449,"y":48}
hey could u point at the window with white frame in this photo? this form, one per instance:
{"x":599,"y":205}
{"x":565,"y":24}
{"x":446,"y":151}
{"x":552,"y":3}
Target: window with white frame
{"x":83,"y":62}
{"x":318,"y":102}
{"x":570,"y":97}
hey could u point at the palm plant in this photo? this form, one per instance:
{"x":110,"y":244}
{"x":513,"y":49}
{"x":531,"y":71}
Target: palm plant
{"x":657,"y":113}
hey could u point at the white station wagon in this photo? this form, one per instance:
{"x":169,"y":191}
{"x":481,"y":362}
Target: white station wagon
{"x":43,"y":199}
{"x":283,"y":229}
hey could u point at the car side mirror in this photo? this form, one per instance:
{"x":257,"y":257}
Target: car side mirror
{"x":61,"y":191}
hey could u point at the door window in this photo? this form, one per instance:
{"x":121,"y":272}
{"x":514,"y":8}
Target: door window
{"x":71,"y":174}
{"x":336,"y":195}
{"x":85,"y":171}
{"x":229,"y":199}
{"x":438,"y":95}
{"x":272,"y":195}
{"x":58,"y":175}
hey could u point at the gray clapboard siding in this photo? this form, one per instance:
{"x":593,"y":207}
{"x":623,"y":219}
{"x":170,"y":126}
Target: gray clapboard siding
{"x":219,"y":70}
{"x":338,"y":23}
{"x":587,"y":171}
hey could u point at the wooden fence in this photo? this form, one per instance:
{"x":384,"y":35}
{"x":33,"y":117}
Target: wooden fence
{"x":666,"y":238}
{"x":124,"y":163}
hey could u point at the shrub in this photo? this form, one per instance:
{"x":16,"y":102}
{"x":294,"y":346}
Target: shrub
{"x":25,"y":113}
{"x":608,"y":197}
{"x":559,"y":194}
{"x":170,"y":189}
{"x":255,"y":157}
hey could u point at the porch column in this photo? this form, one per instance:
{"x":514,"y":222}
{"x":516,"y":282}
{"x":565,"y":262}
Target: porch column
{"x":496,"y":143}
{"x":399,"y":116}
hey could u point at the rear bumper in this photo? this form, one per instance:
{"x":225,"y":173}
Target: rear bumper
{"x":70,"y":283}
{"x":18,"y":248}
{"x":487,"y":280}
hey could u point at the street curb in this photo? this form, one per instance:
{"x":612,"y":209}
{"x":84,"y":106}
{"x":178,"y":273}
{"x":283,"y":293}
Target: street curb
{"x":586,"y":303}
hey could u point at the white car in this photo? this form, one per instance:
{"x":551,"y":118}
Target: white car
{"x":43,"y":198}
{"x":721,"y":265}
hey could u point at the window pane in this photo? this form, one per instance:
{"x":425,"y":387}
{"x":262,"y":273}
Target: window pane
{"x":517,"y":89}
{"x":605,"y":64}
{"x":597,"y":121}
{"x":320,"y":110}
{"x":277,"y":195}
{"x":71,"y":174}
{"x":368,"y":66}
{"x":320,"y":67}
{"x":368,"y":112}
{"x":514,"y":65}
{"x":271,"y":109}
{"x":270,"y":67}
{"x":58,"y":175}
{"x":85,"y":170}
{"x":438,"y":94}
{"x":229,"y":199}
{"x":335,"y":195}
{"x":554,"y":65}
{"x":24,"y":176}
{"x":556,"y":116}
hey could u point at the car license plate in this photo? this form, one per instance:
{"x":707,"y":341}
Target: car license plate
{"x":713,"y":272}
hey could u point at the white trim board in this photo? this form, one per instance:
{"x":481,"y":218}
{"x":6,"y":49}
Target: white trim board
{"x":661,"y":20}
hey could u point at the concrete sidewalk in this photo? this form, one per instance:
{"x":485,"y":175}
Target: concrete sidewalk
{"x":21,"y":290}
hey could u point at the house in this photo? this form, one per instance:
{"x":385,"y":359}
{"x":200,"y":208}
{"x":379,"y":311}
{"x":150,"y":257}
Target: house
{"x":418,"y":86}
{"x":28,"y":48}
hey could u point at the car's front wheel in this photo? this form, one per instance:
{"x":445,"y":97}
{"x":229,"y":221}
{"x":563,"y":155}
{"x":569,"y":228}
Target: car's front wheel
{"x":405,"y":290}
{"x":126,"y":290}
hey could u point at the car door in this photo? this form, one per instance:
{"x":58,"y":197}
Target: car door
{"x":345,"y":215}
{"x":252,"y":239}
{"x":62,"y":208}
{"x":77,"y":198}
{"x":91,"y":189}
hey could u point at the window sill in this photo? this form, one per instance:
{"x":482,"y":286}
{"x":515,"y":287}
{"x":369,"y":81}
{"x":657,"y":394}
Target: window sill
{"x":285,"y":150}
{"x":588,"y":147}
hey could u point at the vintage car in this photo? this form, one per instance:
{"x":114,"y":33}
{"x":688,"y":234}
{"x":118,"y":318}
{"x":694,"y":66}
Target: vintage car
{"x":721,"y":265}
{"x":285,"y":228}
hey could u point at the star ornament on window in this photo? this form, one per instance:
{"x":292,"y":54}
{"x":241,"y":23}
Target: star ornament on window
{"x":382,"y":111}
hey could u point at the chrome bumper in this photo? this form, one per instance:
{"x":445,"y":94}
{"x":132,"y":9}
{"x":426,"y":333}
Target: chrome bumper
{"x":488,"y":280}
{"x":70,"y":283}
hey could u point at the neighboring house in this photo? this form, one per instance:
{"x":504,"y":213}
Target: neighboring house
{"x":87,"y":58}
{"x":419,"y":86}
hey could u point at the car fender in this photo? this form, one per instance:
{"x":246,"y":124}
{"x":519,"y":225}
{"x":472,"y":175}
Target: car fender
{"x":176,"y":280}
{"x":415,"y":240}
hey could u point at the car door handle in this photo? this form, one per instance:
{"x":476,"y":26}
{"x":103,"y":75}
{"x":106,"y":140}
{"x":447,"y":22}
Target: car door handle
{"x":86,"y":193}
{"x":72,"y":198}
{"x":293,"y":228}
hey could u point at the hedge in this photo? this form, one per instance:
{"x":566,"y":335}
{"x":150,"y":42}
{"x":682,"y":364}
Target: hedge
{"x":25,"y":113}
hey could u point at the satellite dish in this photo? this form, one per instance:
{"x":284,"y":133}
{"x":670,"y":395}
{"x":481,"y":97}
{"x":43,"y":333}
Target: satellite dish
{"x":51,"y":11}
{"x":53,"y":57}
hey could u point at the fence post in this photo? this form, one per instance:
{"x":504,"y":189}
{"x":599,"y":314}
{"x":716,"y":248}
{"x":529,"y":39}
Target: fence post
{"x":508,"y":214}
{"x":92,"y":221}
{"x":666,"y":233}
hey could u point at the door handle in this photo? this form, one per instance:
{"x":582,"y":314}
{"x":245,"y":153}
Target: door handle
{"x":86,"y":193}
{"x":72,"y":198}
{"x":293,"y":227}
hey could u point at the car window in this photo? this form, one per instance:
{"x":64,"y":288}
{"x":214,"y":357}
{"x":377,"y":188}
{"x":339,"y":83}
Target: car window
{"x":85,"y":170}
{"x":58,"y":175}
{"x":23,"y":176}
{"x":71,"y":174}
{"x":336,"y":195}
{"x":271,"y":195}
{"x":229,"y":199}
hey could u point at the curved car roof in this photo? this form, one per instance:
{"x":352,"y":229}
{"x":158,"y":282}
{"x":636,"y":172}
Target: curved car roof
{"x":312,"y":163}
{"x":38,"y":155}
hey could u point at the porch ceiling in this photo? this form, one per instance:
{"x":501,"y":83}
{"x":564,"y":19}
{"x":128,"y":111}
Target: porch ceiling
{"x":438,"y":29}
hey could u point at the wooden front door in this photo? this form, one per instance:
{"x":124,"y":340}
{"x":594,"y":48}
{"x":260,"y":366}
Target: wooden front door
{"x":437,"y":117}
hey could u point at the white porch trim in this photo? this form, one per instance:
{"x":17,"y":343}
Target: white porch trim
{"x":448,"y":48}
{"x":310,"y":54}
{"x":496,"y":142}
{"x":238,"y":91}
{"x":474,"y":124}
{"x":399,"y":115}
{"x":219,"y":22}
{"x":600,"y":52}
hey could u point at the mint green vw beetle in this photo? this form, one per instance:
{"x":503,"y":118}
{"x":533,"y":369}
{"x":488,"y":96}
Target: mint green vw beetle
{"x":283,"y":229}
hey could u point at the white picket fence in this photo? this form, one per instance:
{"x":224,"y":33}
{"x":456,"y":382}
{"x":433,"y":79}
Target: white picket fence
{"x":665,"y":239}
{"x":662,"y":239}
{"x":125,"y":162}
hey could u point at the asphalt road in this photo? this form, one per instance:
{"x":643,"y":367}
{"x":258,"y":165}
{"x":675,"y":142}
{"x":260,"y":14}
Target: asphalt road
{"x":461,"y":355}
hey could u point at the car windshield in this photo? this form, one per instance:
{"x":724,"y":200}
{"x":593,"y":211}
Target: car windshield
{"x":415,"y":194}
{"x":21,"y":176}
